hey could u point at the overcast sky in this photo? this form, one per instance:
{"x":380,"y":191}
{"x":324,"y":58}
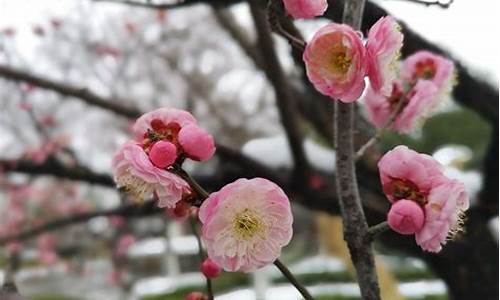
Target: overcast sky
{"x":469,"y":29}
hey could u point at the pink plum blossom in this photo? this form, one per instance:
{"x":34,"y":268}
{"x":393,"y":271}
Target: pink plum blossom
{"x":418,"y":104}
{"x":429,"y":66}
{"x":164,"y":122}
{"x":305,"y":9}
{"x":382,"y":51}
{"x":443,"y":215}
{"x":196,"y":296}
{"x":196,"y":143}
{"x":246,"y":224}
{"x":405,"y":217}
{"x":210,"y":269}
{"x":407,"y":174}
{"x":335,"y":61}
{"x":163,"y":154}
{"x":124,"y":243}
{"x":417,"y":187}
{"x":137,"y":175}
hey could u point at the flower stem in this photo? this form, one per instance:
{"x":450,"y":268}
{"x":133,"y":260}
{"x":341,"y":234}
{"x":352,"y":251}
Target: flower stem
{"x":286,"y":272}
{"x":377,"y":229}
{"x":378,"y":134}
{"x":210,"y":292}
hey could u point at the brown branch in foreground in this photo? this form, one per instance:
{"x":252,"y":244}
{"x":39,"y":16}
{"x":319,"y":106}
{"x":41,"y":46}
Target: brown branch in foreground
{"x":85,"y":95}
{"x":129,"y":210}
{"x":353,"y":217}
{"x":284,"y":98}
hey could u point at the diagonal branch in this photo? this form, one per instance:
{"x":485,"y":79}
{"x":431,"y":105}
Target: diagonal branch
{"x":128,"y":210}
{"x":284,"y":98}
{"x":68,"y":90}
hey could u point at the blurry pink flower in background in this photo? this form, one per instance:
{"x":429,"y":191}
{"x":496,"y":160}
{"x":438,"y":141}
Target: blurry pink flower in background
{"x":25,"y":106}
{"x":410,"y":176}
{"x":137,"y":175}
{"x":56,"y":23}
{"x":418,"y":104}
{"x":117,"y":221}
{"x":46,"y":244}
{"x":426,"y":65}
{"x":335,"y":62}
{"x":9,"y":32}
{"x":305,"y":9}
{"x":180,"y":212}
{"x":246,"y":224}
{"x":38,"y":30}
{"x":382,"y":51}
{"x":196,"y":296}
{"x":13,"y":248}
{"x":103,"y":50}
{"x":123,"y":244}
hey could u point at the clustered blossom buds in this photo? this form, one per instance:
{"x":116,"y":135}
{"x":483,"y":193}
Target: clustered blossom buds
{"x":161,"y":138}
{"x":337,"y":61}
{"x":305,"y":9}
{"x":246,"y":224}
{"x":424,"y":201}
{"x":426,"y":79}
{"x":196,"y":296}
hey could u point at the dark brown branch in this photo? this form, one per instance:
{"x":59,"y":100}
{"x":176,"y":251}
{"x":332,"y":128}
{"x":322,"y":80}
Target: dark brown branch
{"x":284,"y":97}
{"x":68,"y":90}
{"x":55,"y":168}
{"x":353,"y":217}
{"x":227,"y":21}
{"x":129,"y":210}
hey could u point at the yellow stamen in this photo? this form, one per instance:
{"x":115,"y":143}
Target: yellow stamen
{"x":248,"y":223}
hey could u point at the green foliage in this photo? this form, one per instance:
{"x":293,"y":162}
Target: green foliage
{"x":461,"y":126}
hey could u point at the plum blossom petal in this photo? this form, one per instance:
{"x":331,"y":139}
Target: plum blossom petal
{"x":137,"y":175}
{"x":382,"y":51}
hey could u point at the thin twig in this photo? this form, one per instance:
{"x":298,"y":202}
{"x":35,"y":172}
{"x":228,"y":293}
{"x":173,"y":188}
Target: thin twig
{"x":377,"y":229}
{"x":373,"y":140}
{"x":274,"y":9}
{"x":284,"y":270}
{"x":201,"y":256}
{"x":431,"y":3}
{"x":148,"y":4}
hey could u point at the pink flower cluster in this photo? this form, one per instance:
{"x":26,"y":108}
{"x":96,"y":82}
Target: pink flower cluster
{"x":426,"y":78}
{"x":246,"y":224}
{"x":337,"y":61}
{"x":165,"y":136}
{"x":424,"y":201}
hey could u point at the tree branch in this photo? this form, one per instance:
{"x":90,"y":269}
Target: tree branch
{"x":68,"y":90}
{"x":129,"y":210}
{"x":353,"y":217}
{"x":284,"y":98}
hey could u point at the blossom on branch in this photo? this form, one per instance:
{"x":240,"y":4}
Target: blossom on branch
{"x":417,"y":187}
{"x":383,"y":48}
{"x":138,"y":176}
{"x":305,"y":9}
{"x":246,"y":224}
{"x":335,"y":61}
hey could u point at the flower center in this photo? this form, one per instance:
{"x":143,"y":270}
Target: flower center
{"x":396,"y":97}
{"x":341,"y":61}
{"x":138,"y":188}
{"x":425,"y":69}
{"x":247,"y":224}
{"x":161,"y":131}
{"x":405,"y":189}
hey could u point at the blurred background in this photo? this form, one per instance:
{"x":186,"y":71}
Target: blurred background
{"x":74,"y":74}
